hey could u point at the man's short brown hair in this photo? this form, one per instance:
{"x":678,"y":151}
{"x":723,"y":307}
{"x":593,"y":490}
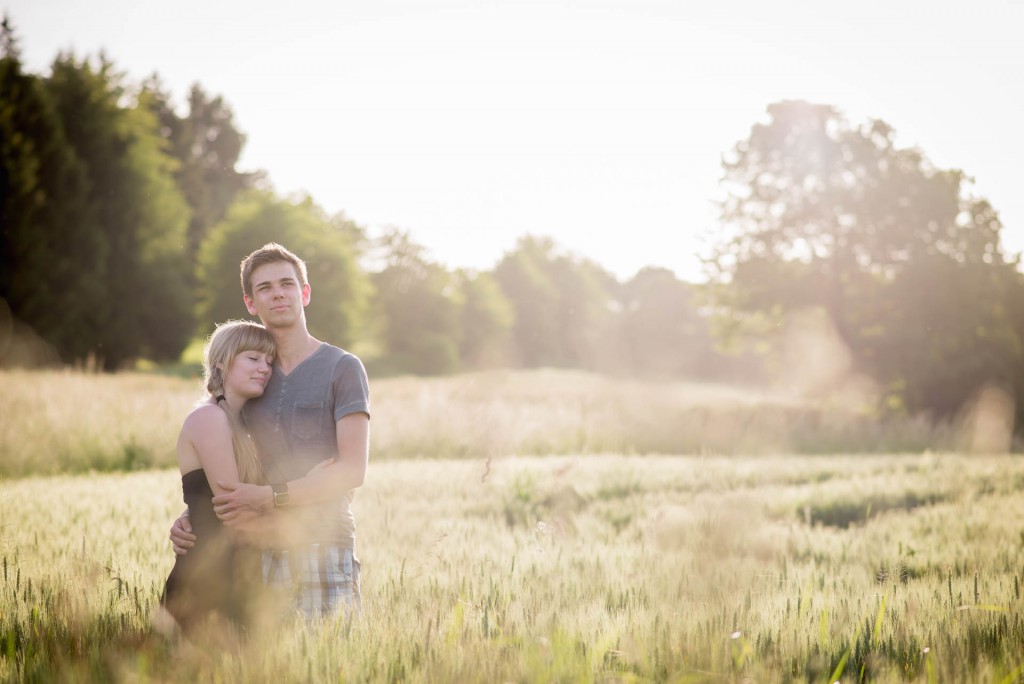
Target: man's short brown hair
{"x":269,"y":254}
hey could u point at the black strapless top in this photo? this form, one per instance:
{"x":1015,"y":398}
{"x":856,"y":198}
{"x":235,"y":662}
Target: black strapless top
{"x":199,"y":499}
{"x":216,"y":574}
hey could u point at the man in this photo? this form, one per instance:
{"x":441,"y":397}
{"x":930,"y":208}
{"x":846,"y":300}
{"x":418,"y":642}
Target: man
{"x":315,"y":407}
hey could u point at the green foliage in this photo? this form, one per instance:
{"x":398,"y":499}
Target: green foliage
{"x":144,"y":309}
{"x":340,"y":289}
{"x":844,"y":512}
{"x":562,"y":307}
{"x":124,"y":222}
{"x":206,"y":145}
{"x":166,"y":315}
{"x":905,"y":263}
{"x":521,"y":504}
{"x":663,"y":335}
{"x":535,"y":301}
{"x":955,"y":335}
{"x":97,"y":246}
{"x":485,"y":321}
{"x":50,"y":245}
{"x":419,"y":308}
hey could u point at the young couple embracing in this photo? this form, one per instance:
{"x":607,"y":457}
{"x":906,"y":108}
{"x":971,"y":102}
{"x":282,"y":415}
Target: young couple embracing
{"x":269,"y":461}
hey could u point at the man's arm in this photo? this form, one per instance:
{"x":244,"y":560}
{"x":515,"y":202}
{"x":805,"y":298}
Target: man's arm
{"x":348,"y":470}
{"x":243,"y":501}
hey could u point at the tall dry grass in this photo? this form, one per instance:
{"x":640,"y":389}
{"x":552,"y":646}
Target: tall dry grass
{"x":70,"y":421}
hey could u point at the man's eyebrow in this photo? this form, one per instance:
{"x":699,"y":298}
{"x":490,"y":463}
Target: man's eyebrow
{"x":286,"y":279}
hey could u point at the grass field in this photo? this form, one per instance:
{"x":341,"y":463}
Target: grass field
{"x":527,"y":527}
{"x":596,"y":568}
{"x":56,"y":422}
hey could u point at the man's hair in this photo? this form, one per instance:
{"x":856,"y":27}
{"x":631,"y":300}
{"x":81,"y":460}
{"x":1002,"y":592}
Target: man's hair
{"x":268,"y":254}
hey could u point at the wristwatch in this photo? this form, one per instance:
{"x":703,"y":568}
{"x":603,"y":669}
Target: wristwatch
{"x":281,"y":495}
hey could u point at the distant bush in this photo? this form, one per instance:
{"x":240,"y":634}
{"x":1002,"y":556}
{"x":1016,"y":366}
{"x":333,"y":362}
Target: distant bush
{"x":843,"y":513}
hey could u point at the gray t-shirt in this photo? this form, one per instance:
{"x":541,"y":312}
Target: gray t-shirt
{"x":294,"y":427}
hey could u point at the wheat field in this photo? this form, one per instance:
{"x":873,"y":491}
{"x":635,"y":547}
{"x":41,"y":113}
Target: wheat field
{"x":503,"y":539}
{"x":588,"y":568}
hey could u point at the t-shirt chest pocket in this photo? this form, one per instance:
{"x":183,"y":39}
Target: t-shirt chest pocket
{"x":307,"y":419}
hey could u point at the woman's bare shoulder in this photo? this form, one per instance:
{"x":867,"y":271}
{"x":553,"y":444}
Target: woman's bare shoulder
{"x":204,"y":418}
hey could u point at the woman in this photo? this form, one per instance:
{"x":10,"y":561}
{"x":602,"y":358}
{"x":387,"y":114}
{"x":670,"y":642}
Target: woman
{"x":220,"y":575}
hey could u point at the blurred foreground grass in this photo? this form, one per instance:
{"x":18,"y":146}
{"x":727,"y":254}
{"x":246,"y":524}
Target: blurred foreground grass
{"x":67,"y":421}
{"x":598,"y":568}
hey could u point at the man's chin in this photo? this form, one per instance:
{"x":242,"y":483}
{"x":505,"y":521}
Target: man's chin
{"x":280,"y":322}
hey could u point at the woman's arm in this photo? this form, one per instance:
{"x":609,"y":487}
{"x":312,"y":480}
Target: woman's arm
{"x":208,"y":432}
{"x":204,"y":442}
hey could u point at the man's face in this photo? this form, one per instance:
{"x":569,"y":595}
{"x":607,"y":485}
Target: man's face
{"x":278,"y":296}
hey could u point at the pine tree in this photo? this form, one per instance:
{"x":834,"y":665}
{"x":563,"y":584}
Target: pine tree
{"x":50,"y":251}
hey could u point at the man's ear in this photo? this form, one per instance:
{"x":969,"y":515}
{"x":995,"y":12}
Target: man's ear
{"x":307,"y":291}
{"x":248,"y":304}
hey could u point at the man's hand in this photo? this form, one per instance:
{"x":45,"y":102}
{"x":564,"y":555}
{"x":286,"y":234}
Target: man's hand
{"x":242,"y":502}
{"x":182,"y":538}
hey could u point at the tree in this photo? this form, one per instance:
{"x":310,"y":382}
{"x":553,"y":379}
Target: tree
{"x":953,"y":333}
{"x":525,"y":282}
{"x":662,"y":331}
{"x":823,"y":214}
{"x":51,"y":252}
{"x":206,"y":144}
{"x":485,"y":321}
{"x":144,"y":310}
{"x":418,"y":309}
{"x":340,"y":289}
{"x":562,"y":307}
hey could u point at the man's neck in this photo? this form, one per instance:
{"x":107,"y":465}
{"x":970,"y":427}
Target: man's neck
{"x":294,"y":345}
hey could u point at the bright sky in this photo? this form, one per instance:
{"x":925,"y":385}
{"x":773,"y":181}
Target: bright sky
{"x":600,"y":123}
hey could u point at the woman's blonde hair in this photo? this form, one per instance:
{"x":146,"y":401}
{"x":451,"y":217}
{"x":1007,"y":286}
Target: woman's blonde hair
{"x":227,"y":341}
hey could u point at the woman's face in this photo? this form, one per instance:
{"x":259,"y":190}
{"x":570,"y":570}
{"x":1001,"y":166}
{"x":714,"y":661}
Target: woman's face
{"x":248,"y":373}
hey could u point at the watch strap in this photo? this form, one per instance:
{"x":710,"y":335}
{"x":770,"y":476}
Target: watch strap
{"x":281,"y":497}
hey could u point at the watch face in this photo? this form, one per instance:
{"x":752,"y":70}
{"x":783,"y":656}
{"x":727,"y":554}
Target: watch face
{"x":280,"y":498}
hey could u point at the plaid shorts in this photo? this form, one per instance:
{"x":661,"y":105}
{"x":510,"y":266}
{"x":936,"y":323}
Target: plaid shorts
{"x":320,"y":578}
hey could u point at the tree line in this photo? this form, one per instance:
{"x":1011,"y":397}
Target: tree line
{"x":124,"y":218}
